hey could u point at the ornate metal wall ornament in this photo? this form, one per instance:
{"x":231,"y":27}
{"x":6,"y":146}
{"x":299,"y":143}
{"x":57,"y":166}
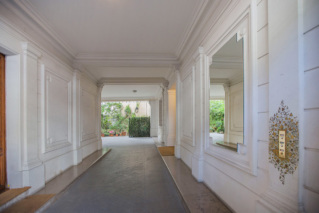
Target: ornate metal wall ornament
{"x":284,"y":120}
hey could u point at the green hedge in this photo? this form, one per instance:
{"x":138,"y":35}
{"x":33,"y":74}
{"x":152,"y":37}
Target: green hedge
{"x":139,"y":127}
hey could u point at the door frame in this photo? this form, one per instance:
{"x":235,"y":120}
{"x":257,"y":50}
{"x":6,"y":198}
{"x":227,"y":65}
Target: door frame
{"x":3,"y":165}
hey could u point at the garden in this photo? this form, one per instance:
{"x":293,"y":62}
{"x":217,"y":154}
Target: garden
{"x":216,"y":112}
{"x":117,"y":120}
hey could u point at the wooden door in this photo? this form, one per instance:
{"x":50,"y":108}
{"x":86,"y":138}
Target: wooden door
{"x":3,"y":175}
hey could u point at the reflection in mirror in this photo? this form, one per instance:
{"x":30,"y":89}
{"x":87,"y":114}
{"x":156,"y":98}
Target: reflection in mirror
{"x":226,"y":108}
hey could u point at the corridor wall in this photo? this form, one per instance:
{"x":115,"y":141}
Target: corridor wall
{"x":52,"y":113}
{"x":282,"y":46}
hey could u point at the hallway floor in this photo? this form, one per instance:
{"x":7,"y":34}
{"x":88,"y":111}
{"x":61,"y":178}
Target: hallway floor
{"x":131,"y":178}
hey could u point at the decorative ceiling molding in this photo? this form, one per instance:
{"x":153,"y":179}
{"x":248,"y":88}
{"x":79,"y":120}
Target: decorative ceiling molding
{"x":27,"y":7}
{"x":137,"y":81}
{"x":219,"y":80}
{"x":127,"y":59}
{"x":111,"y":59}
{"x":16,"y":22}
{"x":228,"y":81}
{"x":198,"y":14}
{"x":226,"y":62}
{"x":227,"y":59}
{"x":204,"y":12}
{"x":129,"y":98}
{"x":205,"y":26}
{"x":82,"y":69}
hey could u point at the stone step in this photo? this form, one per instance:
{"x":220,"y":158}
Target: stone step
{"x":30,"y":204}
{"x":12,"y":196}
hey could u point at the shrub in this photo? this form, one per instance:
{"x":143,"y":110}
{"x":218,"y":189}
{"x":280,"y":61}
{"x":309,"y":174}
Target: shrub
{"x":217,"y":112}
{"x":139,"y":127}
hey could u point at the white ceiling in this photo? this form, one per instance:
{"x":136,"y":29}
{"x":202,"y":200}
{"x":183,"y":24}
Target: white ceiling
{"x":125,"y":92}
{"x":129,"y":72}
{"x":119,"y":38}
{"x":118,"y":26}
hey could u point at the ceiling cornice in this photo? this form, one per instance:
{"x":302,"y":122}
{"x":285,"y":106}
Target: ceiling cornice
{"x":127,"y":59}
{"x":27,"y":7}
{"x":156,"y":60}
{"x":226,"y":62}
{"x":129,"y":98}
{"x":198,"y":14}
{"x":82,"y":69}
{"x":210,"y":16}
{"x":141,"y":81}
{"x":23,"y":27}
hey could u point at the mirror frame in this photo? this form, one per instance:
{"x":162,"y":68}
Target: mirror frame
{"x":246,"y":156}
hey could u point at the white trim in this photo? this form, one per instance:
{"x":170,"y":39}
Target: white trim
{"x":190,"y":28}
{"x":210,"y":19}
{"x":45,"y":141}
{"x":246,"y":159}
{"x":135,"y":81}
{"x":17,"y":21}
{"x":129,"y":98}
{"x":190,"y":140}
{"x":127,"y":60}
{"x":27,"y":7}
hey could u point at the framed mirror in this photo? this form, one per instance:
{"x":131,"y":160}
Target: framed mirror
{"x":226,"y":95}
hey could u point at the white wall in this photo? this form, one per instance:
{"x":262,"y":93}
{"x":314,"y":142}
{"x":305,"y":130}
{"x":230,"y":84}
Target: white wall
{"x":310,"y":109}
{"x":52,"y":111}
{"x":187,"y":116}
{"x":171,"y":131}
{"x":277,"y":48}
{"x":154,"y":104}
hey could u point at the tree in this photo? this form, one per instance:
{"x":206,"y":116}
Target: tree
{"x":217,"y":112}
{"x":105,"y":119}
{"x":128,"y":111}
{"x":112,"y":117}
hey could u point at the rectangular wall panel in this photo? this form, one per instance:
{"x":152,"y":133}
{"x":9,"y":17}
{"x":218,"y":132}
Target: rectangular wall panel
{"x":188,"y":109}
{"x":88,"y":115}
{"x":57,"y":111}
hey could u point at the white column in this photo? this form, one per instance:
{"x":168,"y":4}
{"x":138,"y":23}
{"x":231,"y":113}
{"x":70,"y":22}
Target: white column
{"x":160,"y":120}
{"x":171,"y":118}
{"x":154,"y":117}
{"x":32,"y":167}
{"x":77,"y":153}
{"x":98,"y":103}
{"x":200,"y":125}
{"x":165,"y":115}
{"x":178,"y":115}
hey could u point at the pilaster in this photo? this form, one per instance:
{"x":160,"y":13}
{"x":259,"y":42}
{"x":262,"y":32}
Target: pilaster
{"x":160,"y":120}
{"x":200,"y":100}
{"x":98,"y":104}
{"x":77,"y":154}
{"x":154,"y":117}
{"x":178,"y":115}
{"x":165,"y":113}
{"x":171,"y":118}
{"x":31,"y":165}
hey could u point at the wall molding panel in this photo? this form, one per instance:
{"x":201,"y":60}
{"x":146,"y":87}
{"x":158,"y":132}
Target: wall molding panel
{"x":58,"y":97}
{"x":188,"y":109}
